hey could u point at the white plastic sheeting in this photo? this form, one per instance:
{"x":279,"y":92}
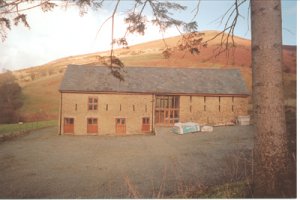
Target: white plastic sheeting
{"x":188,"y":127}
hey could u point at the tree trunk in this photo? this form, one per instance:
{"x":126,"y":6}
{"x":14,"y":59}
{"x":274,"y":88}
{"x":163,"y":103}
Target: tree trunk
{"x":270,"y":146}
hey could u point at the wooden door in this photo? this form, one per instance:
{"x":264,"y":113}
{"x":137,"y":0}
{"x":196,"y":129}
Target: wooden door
{"x":92,"y":126}
{"x":69,"y":125}
{"x":146,"y":124}
{"x":120,"y":126}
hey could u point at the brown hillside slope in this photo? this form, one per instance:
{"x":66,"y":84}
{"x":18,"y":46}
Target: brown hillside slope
{"x":40,"y":84}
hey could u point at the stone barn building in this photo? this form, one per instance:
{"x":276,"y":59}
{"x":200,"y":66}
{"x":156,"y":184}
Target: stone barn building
{"x":94,"y":102}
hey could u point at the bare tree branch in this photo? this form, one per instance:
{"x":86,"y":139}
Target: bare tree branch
{"x":196,"y":10}
{"x":102,"y":25}
{"x":227,"y":34}
{"x":112,"y":30}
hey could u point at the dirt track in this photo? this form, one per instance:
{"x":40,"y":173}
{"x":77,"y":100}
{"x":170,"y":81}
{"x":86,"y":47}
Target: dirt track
{"x":45,"y":165}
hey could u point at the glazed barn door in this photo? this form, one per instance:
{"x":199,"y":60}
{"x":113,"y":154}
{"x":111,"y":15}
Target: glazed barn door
{"x":166,"y":110}
{"x":120,"y":126}
{"x":69,"y":125}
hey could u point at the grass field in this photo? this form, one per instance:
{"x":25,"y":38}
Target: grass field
{"x":12,"y":128}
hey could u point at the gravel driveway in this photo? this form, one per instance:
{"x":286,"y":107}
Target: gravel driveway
{"x":46,"y":165}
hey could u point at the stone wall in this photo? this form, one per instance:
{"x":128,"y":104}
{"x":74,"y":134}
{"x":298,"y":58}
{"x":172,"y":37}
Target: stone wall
{"x":212,"y":110}
{"x":133,"y":107}
{"x":110,"y":106}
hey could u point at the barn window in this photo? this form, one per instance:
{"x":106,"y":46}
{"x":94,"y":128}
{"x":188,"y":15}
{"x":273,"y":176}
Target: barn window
{"x":146,"y":120}
{"x":92,"y":121}
{"x":93,"y":103}
{"x":106,"y":107}
{"x":121,"y":120}
{"x":69,"y":120}
{"x":133,"y":107}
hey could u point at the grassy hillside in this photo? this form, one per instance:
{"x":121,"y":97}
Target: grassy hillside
{"x":41,"y":98}
{"x":40,"y":84}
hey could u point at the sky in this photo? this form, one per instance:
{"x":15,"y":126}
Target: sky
{"x":63,"y":32}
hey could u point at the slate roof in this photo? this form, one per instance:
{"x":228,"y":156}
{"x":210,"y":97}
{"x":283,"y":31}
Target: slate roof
{"x":155,"y":80}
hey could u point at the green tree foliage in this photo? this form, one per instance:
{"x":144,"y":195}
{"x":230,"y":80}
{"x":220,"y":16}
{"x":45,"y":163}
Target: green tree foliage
{"x":10,"y":98}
